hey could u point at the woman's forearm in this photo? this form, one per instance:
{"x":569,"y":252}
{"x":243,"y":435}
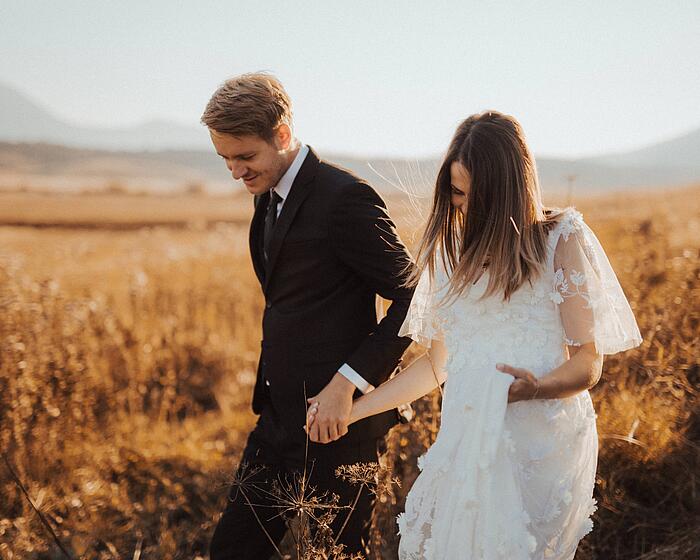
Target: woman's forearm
{"x":579,"y":373}
{"x":418,"y":379}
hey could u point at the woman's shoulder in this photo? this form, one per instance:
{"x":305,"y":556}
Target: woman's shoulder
{"x":564,"y":222}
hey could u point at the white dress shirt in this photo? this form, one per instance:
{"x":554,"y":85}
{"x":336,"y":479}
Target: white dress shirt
{"x":282,"y":189}
{"x":284,"y":185}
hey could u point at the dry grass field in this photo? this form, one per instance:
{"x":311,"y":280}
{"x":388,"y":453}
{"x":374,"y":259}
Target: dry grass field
{"x":129,"y":329}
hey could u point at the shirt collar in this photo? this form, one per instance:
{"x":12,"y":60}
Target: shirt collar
{"x":285,"y":183}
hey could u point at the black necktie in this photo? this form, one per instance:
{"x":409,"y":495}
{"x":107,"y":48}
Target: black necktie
{"x":270,"y":219}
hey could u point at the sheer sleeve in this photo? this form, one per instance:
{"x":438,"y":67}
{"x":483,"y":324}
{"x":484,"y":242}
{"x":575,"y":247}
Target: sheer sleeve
{"x":424,"y":320}
{"x":592,"y":305}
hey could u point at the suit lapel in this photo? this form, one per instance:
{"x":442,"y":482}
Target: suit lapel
{"x":255,"y":236}
{"x":300,"y":190}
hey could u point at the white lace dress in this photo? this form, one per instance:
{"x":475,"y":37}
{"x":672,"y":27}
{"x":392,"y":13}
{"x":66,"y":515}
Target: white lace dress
{"x":514,"y":481}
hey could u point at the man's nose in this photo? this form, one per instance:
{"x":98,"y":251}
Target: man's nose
{"x":238,"y":171}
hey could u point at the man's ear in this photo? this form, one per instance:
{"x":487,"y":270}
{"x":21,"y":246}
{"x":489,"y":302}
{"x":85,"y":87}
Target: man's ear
{"x":283,"y":137}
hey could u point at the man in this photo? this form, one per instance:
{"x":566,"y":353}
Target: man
{"x":322,"y":246}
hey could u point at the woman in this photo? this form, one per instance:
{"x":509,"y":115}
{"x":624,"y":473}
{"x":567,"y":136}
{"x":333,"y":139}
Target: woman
{"x":517,"y":305}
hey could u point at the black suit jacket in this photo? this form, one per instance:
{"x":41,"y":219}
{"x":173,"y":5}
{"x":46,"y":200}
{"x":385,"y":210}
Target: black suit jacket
{"x":333,"y":249}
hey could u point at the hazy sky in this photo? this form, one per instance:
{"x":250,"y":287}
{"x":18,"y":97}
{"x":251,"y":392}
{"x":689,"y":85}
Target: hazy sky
{"x":372,"y":77}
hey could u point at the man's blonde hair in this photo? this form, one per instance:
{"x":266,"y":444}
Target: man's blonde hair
{"x":254,"y":103}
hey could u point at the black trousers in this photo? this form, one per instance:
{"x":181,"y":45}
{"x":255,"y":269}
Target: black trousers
{"x":273,"y":458}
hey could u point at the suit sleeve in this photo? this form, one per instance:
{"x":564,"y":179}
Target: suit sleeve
{"x":366,"y":240}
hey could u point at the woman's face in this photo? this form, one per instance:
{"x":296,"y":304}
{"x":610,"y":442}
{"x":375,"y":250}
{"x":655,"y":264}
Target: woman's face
{"x":460,"y":182}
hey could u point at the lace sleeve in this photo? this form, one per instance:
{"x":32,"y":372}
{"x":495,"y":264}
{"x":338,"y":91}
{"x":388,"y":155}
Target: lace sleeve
{"x":423,"y":321}
{"x":592,"y":305}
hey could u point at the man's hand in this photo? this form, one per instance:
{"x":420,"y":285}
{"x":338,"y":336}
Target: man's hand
{"x":329,"y":411}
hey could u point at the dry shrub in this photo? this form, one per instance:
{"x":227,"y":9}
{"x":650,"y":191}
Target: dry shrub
{"x":126,"y":368}
{"x":110,"y":410}
{"x":649,"y":411}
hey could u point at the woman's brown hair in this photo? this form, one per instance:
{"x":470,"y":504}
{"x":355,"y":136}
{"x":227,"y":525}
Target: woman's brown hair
{"x":505,"y":226}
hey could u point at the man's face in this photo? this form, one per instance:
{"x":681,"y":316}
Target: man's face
{"x":259,"y":164}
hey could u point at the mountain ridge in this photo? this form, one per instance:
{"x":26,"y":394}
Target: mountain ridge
{"x":33,"y":142}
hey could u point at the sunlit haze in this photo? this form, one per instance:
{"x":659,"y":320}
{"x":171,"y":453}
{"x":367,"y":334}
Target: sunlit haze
{"x":382,"y":78}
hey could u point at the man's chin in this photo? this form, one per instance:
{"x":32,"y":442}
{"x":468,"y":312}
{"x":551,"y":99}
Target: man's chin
{"x":255,"y":188}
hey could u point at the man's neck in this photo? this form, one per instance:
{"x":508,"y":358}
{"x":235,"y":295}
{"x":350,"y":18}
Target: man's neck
{"x":292,"y":153}
{"x":291,"y":167}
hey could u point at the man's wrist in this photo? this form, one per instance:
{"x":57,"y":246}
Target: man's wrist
{"x":343,"y":383}
{"x":355,"y":378}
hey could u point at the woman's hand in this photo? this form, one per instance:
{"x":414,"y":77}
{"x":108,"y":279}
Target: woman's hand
{"x":312,"y":413}
{"x":310,"y":417}
{"x":332,"y":410}
{"x":526,"y":385}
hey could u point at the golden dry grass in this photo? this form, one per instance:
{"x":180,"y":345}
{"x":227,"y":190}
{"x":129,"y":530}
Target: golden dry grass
{"x":127,"y":360}
{"x":106,"y":210}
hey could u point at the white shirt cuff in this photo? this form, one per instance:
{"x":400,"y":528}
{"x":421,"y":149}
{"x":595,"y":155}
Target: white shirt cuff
{"x":355,"y":378}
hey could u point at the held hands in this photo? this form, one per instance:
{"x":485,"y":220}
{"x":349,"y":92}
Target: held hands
{"x":526,"y":385}
{"x":330,"y":412}
{"x":328,"y":415}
